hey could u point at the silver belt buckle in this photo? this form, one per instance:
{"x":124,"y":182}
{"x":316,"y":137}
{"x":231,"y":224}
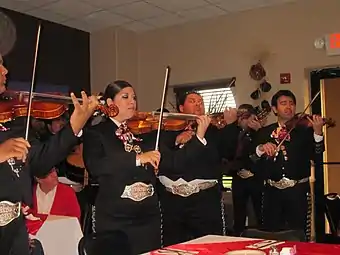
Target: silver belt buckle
{"x":8,"y":212}
{"x":184,"y":190}
{"x":206,"y":185}
{"x":284,"y":183}
{"x":138,"y":191}
{"x":245,"y":174}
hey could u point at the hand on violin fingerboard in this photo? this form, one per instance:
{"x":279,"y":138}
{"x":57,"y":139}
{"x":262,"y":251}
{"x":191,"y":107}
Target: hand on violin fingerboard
{"x":317,"y":122}
{"x":230,"y":115}
{"x":82,"y":112}
{"x":203,"y":124}
{"x":254,"y":124}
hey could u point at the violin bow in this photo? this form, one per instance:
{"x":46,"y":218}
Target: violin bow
{"x":299,"y":118}
{"x":166,"y":83}
{"x":31,"y":94}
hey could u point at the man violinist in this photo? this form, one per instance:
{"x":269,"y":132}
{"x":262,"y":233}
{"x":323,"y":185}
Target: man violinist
{"x":38,"y":159}
{"x":286,"y":201}
{"x":246,"y":183}
{"x":190,"y":194}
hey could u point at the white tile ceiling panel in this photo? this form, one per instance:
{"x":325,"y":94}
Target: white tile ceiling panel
{"x":137,"y":26}
{"x":177,"y":5}
{"x":107,"y":18}
{"x":135,"y":15}
{"x":205,"y":12}
{"x":35,"y":3}
{"x":139,"y":10}
{"x":108,"y":3}
{"x":47,"y":15}
{"x":165,"y":20}
{"x":241,"y":5}
{"x":15,"y":5}
{"x":82,"y":25}
{"x":70,"y":8}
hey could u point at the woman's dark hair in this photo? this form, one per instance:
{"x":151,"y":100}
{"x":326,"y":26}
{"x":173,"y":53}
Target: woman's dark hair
{"x":180,"y":98}
{"x":280,"y":93}
{"x":113,"y":88}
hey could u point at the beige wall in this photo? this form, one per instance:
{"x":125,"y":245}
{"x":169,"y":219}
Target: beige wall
{"x":222,"y":47}
{"x":114,"y":55}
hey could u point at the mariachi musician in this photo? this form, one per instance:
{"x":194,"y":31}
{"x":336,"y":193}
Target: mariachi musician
{"x":286,"y":169}
{"x":246,"y":184}
{"x":191,"y":193}
{"x":15,"y":179}
{"x":124,"y":164}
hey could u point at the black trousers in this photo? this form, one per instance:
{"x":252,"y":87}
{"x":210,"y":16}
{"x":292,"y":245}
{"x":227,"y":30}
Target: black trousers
{"x":288,"y":208}
{"x":186,"y":218}
{"x":15,"y":234}
{"x":242,"y":191}
{"x":143,"y":233}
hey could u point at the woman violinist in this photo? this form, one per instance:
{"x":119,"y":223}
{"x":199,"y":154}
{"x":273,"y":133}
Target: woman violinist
{"x":124,"y":166}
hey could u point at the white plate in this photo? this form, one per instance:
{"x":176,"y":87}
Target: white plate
{"x":245,"y":252}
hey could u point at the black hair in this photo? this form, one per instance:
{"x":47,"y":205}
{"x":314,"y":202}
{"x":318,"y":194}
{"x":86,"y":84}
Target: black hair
{"x":113,"y":88}
{"x":180,"y":98}
{"x":164,"y":110}
{"x":280,"y":93}
{"x":246,"y":108}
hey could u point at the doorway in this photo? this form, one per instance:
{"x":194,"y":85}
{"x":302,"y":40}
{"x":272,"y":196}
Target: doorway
{"x":327,"y":170}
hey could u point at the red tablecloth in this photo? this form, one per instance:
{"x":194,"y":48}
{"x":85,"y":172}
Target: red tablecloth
{"x":222,"y":248}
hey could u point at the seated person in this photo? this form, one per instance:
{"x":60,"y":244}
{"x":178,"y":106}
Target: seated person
{"x":53,"y":198}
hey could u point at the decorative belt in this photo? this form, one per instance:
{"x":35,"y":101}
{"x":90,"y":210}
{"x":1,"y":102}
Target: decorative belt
{"x":285,"y":183}
{"x":245,"y":174}
{"x":138,"y":191}
{"x":187,"y":189}
{"x":8,"y":212}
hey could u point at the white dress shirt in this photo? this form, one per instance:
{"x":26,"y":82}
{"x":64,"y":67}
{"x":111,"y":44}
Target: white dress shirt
{"x":45,"y":201}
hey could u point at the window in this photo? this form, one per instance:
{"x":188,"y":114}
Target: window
{"x":216,"y":100}
{"x":217,"y":94}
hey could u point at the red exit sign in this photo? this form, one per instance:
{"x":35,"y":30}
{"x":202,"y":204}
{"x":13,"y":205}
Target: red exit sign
{"x":333,"y":44}
{"x":334,"y":41}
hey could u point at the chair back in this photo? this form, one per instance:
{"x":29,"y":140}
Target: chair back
{"x":106,"y":243}
{"x":284,"y":235}
{"x":332,"y":211}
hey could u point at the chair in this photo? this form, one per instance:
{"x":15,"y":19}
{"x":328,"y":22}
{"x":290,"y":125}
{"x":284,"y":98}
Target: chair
{"x":36,"y":247}
{"x":108,"y":243}
{"x":284,"y":235}
{"x":332,"y":211}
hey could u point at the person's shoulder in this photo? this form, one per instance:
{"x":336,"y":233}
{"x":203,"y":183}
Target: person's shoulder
{"x":99,"y":127}
{"x":269,"y":127}
{"x":65,"y":188}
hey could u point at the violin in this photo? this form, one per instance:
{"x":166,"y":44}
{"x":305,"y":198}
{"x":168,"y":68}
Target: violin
{"x":146,"y":122}
{"x":44,"y":106}
{"x":76,"y":157}
{"x":305,"y":120}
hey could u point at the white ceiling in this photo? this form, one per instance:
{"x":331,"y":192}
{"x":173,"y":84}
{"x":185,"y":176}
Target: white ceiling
{"x":135,"y":15}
